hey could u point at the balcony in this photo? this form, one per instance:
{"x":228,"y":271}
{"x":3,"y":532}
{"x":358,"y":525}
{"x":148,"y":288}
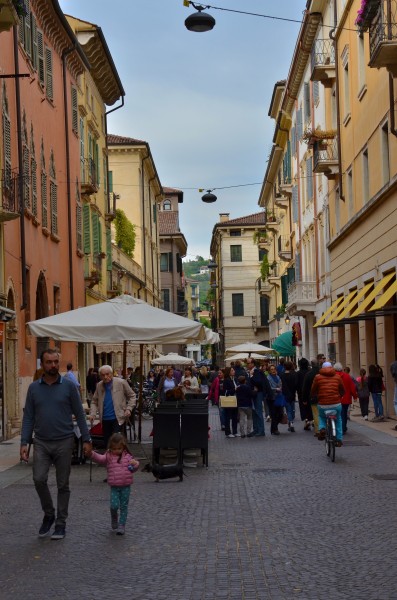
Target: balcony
{"x":383,"y":37}
{"x":302,"y":298}
{"x":272,"y":223}
{"x":323,"y":62}
{"x":325,"y":157}
{"x":9,"y":205}
{"x":89,"y":177}
{"x":265,"y":288}
{"x":8,"y":15}
{"x":284,"y":247}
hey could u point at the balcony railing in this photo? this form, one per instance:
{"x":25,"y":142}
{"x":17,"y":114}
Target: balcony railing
{"x":302,"y":297}
{"x":383,"y":37}
{"x":325,"y":157}
{"x":8,"y":15}
{"x":9,"y":198}
{"x":284,"y":247}
{"x":323,"y":61}
{"x":89,"y":177}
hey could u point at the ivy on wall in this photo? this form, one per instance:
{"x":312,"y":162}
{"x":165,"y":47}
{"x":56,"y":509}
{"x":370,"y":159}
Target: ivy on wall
{"x":125,"y":233}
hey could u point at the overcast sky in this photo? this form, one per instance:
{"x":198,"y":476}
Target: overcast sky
{"x":200,"y":100}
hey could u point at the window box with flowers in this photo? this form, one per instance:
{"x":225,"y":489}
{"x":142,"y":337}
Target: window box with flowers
{"x":366,"y":13}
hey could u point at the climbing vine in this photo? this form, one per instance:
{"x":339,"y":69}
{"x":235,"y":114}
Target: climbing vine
{"x":125,"y":233}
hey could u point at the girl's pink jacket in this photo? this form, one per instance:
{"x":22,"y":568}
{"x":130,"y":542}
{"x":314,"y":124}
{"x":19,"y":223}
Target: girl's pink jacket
{"x":118,"y":473}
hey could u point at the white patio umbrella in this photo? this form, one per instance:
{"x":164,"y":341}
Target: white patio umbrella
{"x":250,"y":347}
{"x":212,"y":337}
{"x":121,"y":319}
{"x":243,"y":356}
{"x":172,"y":358}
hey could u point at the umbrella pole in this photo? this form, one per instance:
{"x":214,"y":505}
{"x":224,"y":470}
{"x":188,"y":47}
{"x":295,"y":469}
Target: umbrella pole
{"x":125,"y":359}
{"x":140,"y":393}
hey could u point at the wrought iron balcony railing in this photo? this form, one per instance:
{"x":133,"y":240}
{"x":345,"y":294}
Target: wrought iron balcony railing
{"x":89,"y":177}
{"x":323,"y":61}
{"x":383,"y":36}
{"x":284,"y":247}
{"x":325,"y":157}
{"x":9,"y":197}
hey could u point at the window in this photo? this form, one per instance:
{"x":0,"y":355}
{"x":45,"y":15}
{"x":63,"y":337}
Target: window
{"x":261,"y":253}
{"x":167,"y":205}
{"x":346,"y":90}
{"x":235,"y":233}
{"x":238,"y":305}
{"x":361,"y":65}
{"x":385,"y":153}
{"x":349,"y":193}
{"x":6,"y":141}
{"x":26,"y":164}
{"x":264,"y":306}
{"x":33,"y":173}
{"x":236,"y":253}
{"x":309,"y":179}
{"x":295,"y":207}
{"x":86,"y":229}
{"x":365,"y":164}
{"x":165,"y":300}
{"x":53,"y":196}
{"x":306,"y":96}
{"x":166,"y":262}
{"x":316,"y":92}
{"x":44,"y":200}
{"x":79,"y":218}
{"x":48,"y":70}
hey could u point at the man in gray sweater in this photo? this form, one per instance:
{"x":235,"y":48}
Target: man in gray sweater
{"x":51,"y":402}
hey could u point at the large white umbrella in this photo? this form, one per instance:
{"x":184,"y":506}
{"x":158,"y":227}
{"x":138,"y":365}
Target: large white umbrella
{"x":120,"y":319}
{"x":250,"y":347}
{"x":244,"y":356}
{"x":172,"y":358}
{"x":212,"y":337}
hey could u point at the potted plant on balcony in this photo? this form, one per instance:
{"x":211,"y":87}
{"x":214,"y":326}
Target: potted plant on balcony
{"x":260,"y":237}
{"x":20,"y":8}
{"x":270,"y":217}
{"x":366,"y":13}
{"x":265,"y":268}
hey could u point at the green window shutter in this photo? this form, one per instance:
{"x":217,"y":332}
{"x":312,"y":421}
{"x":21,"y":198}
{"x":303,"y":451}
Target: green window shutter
{"x":40,"y":57}
{"x":170,"y":262}
{"x":95,"y":233}
{"x":34,"y":43}
{"x":28,"y":31}
{"x":97,"y":164}
{"x":154,"y":213}
{"x":108,"y":249}
{"x":110,"y":182}
{"x":99,"y":235}
{"x":79,"y":227}
{"x":284,"y":292}
{"x":86,"y":229}
{"x":49,"y":71}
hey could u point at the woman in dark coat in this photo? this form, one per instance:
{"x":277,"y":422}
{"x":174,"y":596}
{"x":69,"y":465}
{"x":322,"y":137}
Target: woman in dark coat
{"x":305,"y":407}
{"x":229,"y":389}
{"x":288,"y":379}
{"x":375,"y":386}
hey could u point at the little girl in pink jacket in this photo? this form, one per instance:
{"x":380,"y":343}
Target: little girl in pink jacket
{"x":120,"y":465}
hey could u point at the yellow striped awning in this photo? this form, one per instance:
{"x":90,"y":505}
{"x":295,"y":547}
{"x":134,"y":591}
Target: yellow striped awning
{"x":333,"y":316}
{"x":328,"y":311}
{"x":378,"y":288}
{"x":385,"y":297}
{"x":347,"y":309}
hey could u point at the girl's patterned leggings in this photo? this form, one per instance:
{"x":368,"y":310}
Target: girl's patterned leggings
{"x":119,"y":497}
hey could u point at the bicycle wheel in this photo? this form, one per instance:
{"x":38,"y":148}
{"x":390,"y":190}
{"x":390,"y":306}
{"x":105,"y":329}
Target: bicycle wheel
{"x":327,"y":439}
{"x":148,"y":408}
{"x":333,"y":442}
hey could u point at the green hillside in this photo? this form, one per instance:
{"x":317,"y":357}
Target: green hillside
{"x":191,"y":269}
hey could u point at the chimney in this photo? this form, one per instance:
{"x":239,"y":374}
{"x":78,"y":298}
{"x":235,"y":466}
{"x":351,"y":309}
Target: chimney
{"x":223,"y":217}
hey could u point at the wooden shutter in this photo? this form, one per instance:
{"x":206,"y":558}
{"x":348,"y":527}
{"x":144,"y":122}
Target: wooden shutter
{"x":35,"y":54}
{"x":309,"y":178}
{"x":109,"y":262}
{"x":95,"y":233}
{"x":295,"y":204}
{"x":170,"y":262}
{"x":33,"y":174}
{"x":79,"y":227}
{"x":110,"y":182}
{"x":7,"y":150}
{"x":26,"y":178}
{"x":284,"y":289}
{"x":40,"y":57}
{"x":86,"y":229}
{"x":44,"y":201}
{"x":306,"y":95}
{"x":49,"y":74}
{"x":299,"y":127}
{"x":54,"y":207}
{"x":75,"y":116}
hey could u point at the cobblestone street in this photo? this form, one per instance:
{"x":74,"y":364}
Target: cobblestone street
{"x":272,"y":518}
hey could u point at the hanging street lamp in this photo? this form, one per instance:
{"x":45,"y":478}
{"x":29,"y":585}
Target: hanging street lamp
{"x":199,"y":21}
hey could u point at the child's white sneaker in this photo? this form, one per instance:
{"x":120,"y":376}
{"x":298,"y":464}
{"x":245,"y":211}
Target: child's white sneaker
{"x":121,"y":530}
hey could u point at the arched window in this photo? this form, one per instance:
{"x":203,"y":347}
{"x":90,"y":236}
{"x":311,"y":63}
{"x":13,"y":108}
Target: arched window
{"x":167,"y":204}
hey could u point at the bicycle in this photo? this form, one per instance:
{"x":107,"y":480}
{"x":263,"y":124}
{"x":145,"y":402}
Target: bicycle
{"x":330,"y":433}
{"x":148,"y":405}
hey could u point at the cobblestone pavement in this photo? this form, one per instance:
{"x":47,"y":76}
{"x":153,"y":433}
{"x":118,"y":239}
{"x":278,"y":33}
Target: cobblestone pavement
{"x":272,"y":518}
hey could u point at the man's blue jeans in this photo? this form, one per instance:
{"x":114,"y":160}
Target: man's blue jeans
{"x":257,"y":415}
{"x":322,"y":418}
{"x":290,"y":407}
{"x":395,"y":399}
{"x":378,"y":406}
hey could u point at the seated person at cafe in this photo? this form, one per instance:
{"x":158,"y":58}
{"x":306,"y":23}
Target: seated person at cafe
{"x":189,"y":382}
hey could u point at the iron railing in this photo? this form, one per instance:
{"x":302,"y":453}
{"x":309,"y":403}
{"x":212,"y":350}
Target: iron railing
{"x":323,"y":54}
{"x":325,"y":151}
{"x":383,"y":27}
{"x":9,"y":191}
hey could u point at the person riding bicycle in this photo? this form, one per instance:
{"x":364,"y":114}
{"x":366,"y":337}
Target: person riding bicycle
{"x":328,"y":388}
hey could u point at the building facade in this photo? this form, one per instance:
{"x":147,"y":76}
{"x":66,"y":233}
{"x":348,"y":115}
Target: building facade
{"x":240,"y":310}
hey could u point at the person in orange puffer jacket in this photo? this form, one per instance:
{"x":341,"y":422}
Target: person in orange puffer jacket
{"x":328,"y":388}
{"x":350,"y":391}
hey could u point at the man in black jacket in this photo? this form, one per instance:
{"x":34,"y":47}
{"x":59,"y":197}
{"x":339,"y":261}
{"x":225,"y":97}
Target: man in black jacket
{"x":260,"y":384}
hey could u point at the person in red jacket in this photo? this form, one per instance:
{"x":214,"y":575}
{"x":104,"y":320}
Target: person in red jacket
{"x":328,"y":388}
{"x":350,"y":391}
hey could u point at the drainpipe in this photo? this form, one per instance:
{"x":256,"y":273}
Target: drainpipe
{"x":65,"y":54}
{"x":113,"y":206}
{"x":332,"y":36}
{"x":393,"y":129}
{"x":20,"y":169}
{"x":144,"y":222}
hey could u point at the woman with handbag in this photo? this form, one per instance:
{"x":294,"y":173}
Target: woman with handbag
{"x":277,"y":402}
{"x":231,"y":413}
